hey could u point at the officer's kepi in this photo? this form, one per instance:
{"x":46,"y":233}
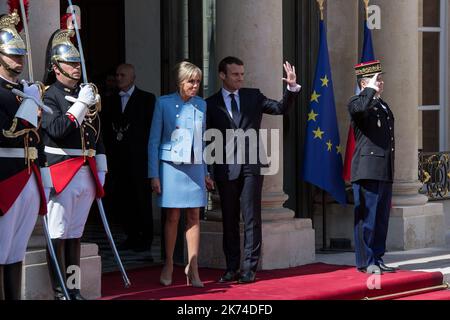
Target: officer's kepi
{"x":368,"y":69}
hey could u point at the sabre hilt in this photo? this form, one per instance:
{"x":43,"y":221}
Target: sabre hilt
{"x":37,"y":101}
{"x":98,"y":106}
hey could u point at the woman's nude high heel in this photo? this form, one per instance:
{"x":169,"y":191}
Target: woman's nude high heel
{"x":189,"y":278}
{"x":165,"y":281}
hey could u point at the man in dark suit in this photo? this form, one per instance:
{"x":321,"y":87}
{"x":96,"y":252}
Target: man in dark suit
{"x":372,"y":168}
{"x":240,"y":185}
{"x":127,"y":119}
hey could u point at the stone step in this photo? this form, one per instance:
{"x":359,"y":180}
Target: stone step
{"x":36,"y":281}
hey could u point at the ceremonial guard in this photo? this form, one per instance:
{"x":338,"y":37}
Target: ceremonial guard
{"x":372,"y":168}
{"x":75,"y":153}
{"x":24,"y":178}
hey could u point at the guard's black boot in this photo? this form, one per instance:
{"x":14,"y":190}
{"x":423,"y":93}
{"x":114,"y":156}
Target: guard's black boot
{"x":59,"y":247}
{"x":12,"y":277}
{"x":2,"y":285}
{"x":73,"y":258}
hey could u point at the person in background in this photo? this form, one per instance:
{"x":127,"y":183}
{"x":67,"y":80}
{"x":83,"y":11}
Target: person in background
{"x":126,"y":121}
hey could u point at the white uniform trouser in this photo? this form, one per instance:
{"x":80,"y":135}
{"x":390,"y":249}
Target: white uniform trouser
{"x":17,"y":225}
{"x":69,"y":210}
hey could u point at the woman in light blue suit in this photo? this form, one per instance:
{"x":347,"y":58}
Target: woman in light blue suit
{"x":176,"y":166}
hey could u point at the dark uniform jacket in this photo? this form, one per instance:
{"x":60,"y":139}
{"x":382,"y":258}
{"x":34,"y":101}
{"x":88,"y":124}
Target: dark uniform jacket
{"x":373,"y":126}
{"x":253,"y":104}
{"x":126,"y":133}
{"x":17,"y":134}
{"x":60,"y":131}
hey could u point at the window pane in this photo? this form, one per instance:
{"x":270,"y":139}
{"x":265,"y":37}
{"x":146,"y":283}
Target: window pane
{"x":209,"y":63}
{"x":430,"y":72}
{"x":431,"y":13}
{"x":430,"y":131}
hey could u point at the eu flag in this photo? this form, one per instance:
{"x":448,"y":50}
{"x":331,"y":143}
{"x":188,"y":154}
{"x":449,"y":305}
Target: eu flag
{"x":368,"y":52}
{"x":322,"y":164}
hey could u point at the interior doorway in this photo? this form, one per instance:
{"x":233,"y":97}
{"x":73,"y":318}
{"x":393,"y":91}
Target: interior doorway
{"x":102,"y":34}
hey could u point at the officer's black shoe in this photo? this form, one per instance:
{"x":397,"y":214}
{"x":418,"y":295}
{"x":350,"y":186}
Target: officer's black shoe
{"x":247,"y":277}
{"x":76,"y":295}
{"x":385,"y":268}
{"x":229,"y":276}
{"x":372,"y":269}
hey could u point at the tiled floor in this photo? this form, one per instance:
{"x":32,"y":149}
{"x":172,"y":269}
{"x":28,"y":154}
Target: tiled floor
{"x":130,"y":259}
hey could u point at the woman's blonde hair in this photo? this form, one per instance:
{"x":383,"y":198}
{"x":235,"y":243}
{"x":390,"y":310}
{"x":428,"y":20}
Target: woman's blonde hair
{"x":185,"y":71}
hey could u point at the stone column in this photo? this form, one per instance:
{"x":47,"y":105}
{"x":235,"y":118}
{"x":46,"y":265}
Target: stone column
{"x":252,"y":31}
{"x":254,"y":34}
{"x":142,"y":32}
{"x":414,"y":223}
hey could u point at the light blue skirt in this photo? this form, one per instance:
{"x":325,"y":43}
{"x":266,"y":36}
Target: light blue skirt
{"x":183,"y":185}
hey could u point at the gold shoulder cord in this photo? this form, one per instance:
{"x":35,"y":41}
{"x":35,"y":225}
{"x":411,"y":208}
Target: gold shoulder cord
{"x":31,"y":153}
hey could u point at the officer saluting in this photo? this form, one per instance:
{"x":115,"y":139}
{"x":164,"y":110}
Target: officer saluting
{"x":372,"y":167}
{"x":75,"y":153}
{"x":22,"y":194}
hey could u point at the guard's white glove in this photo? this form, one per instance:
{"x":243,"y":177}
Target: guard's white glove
{"x":32,"y":101}
{"x":31,"y":91}
{"x":86,"y":98}
{"x":373,"y":83}
{"x":102,"y":177}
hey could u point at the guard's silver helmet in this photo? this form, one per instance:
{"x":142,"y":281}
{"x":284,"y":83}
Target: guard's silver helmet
{"x":10,"y":41}
{"x":63,"y":50}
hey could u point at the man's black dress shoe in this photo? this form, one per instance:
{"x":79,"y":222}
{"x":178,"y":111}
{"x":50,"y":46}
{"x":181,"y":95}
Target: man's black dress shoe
{"x":247,"y":277}
{"x":372,"y":269}
{"x":76,"y":295}
{"x":385,"y":268}
{"x":229,"y":276}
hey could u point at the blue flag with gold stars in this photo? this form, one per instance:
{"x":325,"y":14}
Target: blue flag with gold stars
{"x":322,"y":163}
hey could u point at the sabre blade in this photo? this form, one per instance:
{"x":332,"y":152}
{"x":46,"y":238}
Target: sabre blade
{"x":53,"y":258}
{"x":27,"y":36}
{"x":80,"y":45}
{"x":101,"y":210}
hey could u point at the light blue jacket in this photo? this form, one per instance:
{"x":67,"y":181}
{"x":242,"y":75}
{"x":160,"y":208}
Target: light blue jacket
{"x":177,"y":132}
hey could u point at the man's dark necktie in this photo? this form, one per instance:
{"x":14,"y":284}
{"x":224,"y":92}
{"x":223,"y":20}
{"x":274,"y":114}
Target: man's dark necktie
{"x":235,"y":110}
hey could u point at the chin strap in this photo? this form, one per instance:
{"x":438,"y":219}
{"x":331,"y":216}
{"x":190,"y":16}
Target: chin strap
{"x":8,"y":68}
{"x":56,"y":63}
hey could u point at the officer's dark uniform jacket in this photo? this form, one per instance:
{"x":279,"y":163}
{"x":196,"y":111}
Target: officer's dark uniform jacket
{"x":373,"y":126}
{"x":68,"y":145}
{"x":21,"y":150}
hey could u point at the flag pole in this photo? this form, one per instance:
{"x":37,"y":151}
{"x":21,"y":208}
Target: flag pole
{"x":320,"y":2}
{"x":324,"y":223}
{"x":324,"y":209}
{"x":366,"y":4}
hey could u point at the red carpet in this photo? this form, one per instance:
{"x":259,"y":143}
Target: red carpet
{"x":311,"y":282}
